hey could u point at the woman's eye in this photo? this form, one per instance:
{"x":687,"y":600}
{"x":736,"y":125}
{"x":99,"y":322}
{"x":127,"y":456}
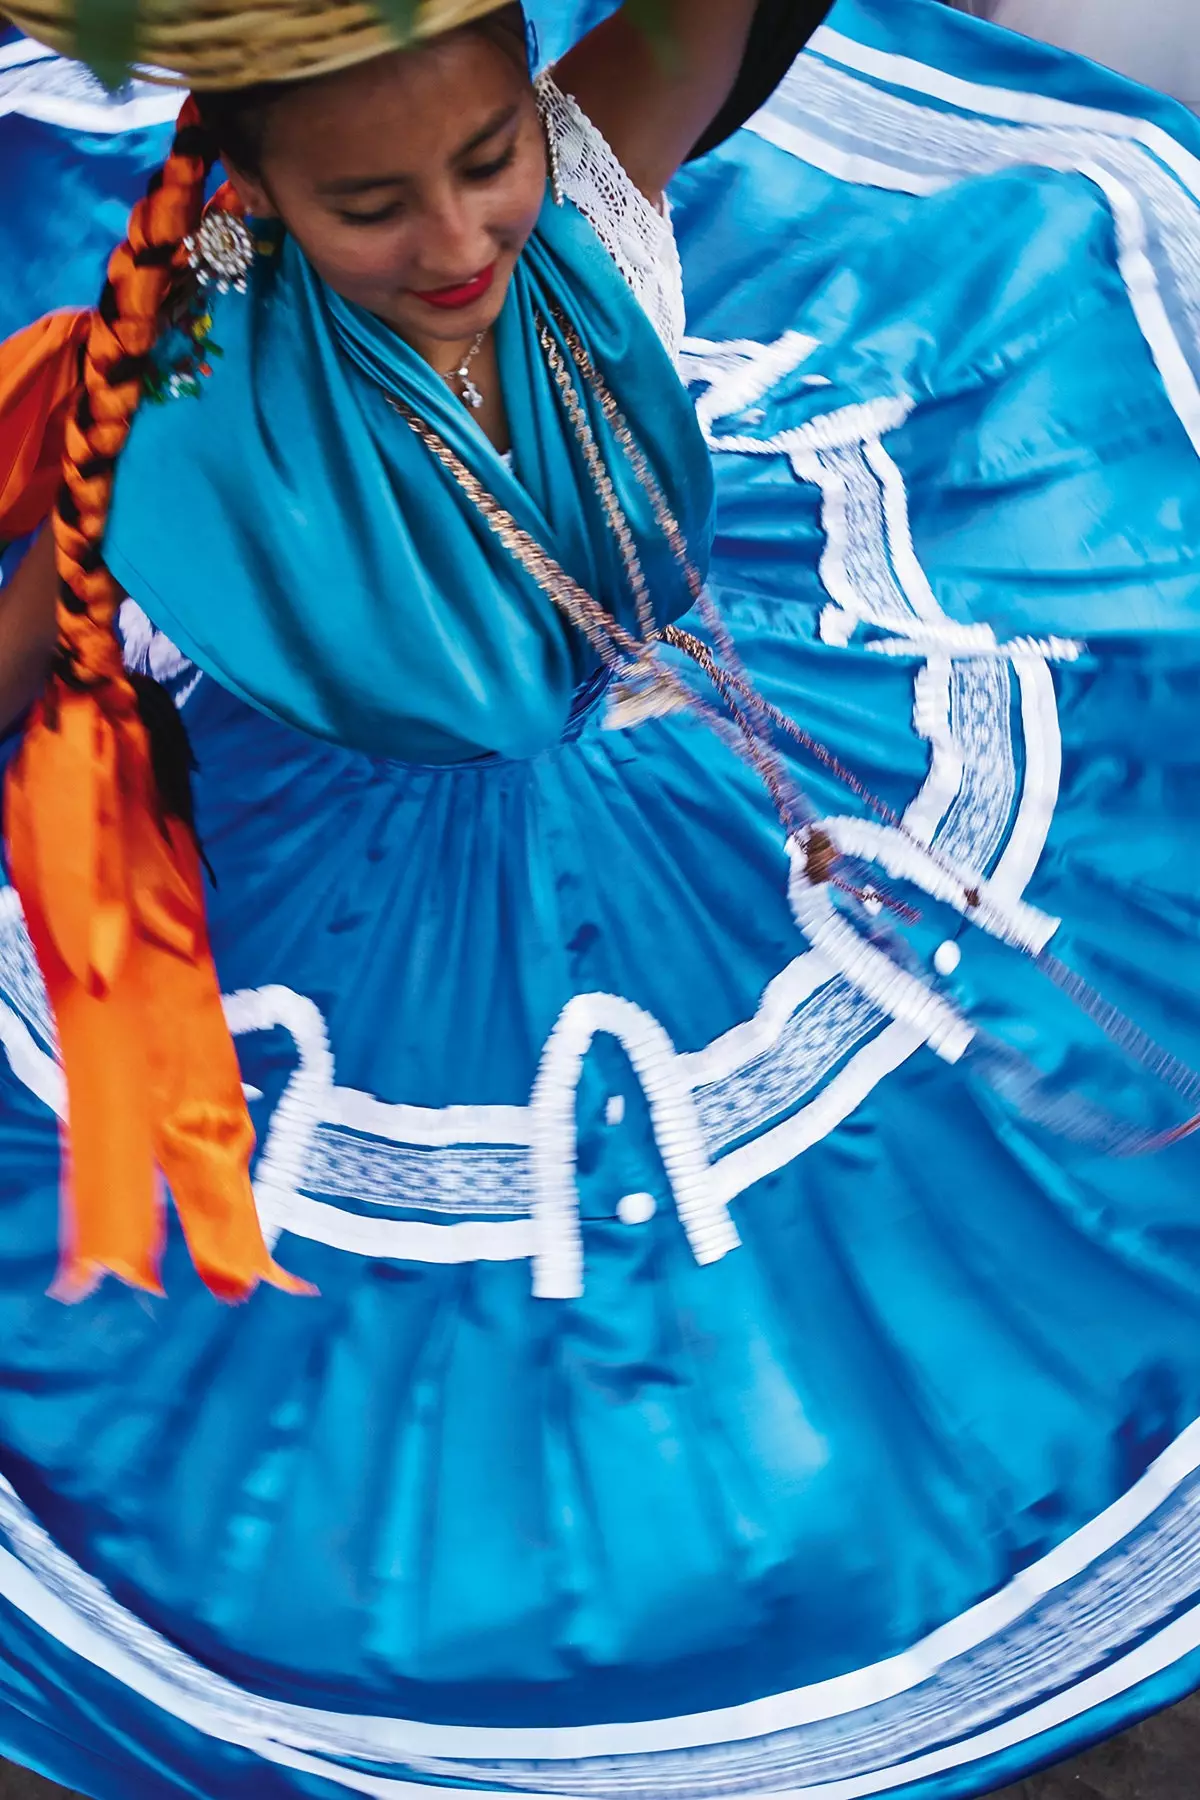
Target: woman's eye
{"x":489,"y":171}
{"x":372,"y":218}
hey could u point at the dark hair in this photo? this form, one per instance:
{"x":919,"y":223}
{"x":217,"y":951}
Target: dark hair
{"x":235,"y":119}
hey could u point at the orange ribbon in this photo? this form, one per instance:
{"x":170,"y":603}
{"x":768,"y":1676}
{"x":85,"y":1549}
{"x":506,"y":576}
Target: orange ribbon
{"x":39,"y":380}
{"x":113,"y":899}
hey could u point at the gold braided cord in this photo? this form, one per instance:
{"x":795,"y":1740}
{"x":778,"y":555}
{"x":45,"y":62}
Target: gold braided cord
{"x":232,"y":44}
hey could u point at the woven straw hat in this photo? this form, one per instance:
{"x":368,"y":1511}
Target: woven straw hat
{"x":234,"y":43}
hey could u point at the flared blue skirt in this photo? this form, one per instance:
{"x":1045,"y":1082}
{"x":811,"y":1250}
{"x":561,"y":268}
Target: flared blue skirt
{"x":718,"y":1386}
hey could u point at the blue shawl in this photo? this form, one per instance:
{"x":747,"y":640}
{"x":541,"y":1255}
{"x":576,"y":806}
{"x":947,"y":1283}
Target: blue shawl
{"x":292,"y":536}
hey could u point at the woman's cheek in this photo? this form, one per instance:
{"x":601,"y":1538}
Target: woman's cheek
{"x":367,"y":264}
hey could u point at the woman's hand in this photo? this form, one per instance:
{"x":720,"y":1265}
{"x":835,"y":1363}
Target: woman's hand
{"x":652,"y":100}
{"x":28,"y":630}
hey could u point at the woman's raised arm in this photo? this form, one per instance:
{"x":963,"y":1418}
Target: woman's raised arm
{"x":654,"y":100}
{"x":27,"y":629}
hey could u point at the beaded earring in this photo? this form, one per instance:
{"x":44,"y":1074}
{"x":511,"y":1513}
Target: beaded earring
{"x":220,"y":255}
{"x":541,"y":88}
{"x":221,"y":251}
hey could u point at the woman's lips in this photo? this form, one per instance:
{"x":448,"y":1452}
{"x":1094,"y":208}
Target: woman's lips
{"x":465,"y":294}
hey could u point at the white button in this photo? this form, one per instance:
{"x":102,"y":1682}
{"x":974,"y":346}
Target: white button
{"x":614,"y":1111}
{"x":947,"y":957}
{"x":636,"y":1209}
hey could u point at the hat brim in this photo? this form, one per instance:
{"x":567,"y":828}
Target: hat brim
{"x":237,"y":43}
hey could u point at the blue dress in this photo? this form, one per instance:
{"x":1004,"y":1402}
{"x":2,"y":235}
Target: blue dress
{"x":879,"y":1474}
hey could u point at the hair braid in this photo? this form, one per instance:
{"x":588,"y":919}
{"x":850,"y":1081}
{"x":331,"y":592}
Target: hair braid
{"x":124,"y":328}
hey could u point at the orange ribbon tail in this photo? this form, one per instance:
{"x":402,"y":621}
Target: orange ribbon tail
{"x":39,"y":377}
{"x":114,"y":906}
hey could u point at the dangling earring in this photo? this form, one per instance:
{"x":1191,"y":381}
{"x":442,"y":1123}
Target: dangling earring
{"x":221,"y":251}
{"x":545,"y":104}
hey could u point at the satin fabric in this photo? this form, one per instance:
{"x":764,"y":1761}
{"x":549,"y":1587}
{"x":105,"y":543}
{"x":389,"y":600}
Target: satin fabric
{"x":946,"y":1344}
{"x":326,"y":525}
{"x":68,"y":187}
{"x":38,"y":373}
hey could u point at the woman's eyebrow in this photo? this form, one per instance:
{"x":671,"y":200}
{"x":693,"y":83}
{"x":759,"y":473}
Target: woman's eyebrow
{"x":361,"y":184}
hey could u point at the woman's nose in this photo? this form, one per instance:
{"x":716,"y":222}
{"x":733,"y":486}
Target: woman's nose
{"x":454,"y":243}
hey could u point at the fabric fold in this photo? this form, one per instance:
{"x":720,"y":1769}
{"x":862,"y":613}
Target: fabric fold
{"x":39,"y":373}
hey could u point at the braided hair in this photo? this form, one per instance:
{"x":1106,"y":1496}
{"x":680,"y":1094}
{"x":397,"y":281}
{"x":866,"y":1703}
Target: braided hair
{"x":124,"y":329}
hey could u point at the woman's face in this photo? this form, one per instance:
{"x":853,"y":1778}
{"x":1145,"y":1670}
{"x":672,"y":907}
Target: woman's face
{"x":410,"y":182}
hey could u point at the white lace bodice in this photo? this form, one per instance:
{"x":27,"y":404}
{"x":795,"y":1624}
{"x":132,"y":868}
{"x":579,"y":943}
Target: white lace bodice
{"x":639,"y":238}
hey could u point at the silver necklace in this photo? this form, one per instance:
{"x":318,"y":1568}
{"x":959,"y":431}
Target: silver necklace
{"x":469,"y":394}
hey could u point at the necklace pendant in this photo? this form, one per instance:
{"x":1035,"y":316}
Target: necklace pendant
{"x":470,"y":393}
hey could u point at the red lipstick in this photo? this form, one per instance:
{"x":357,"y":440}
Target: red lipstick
{"x":450,"y":299}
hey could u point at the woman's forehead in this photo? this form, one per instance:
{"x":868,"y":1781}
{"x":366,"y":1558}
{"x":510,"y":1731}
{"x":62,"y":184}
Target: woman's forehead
{"x":434,"y":101}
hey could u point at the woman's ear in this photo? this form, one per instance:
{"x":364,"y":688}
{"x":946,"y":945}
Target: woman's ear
{"x":255,"y":199}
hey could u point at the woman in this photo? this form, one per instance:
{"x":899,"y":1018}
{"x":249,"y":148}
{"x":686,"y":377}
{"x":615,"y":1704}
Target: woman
{"x":747,"y":1354}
